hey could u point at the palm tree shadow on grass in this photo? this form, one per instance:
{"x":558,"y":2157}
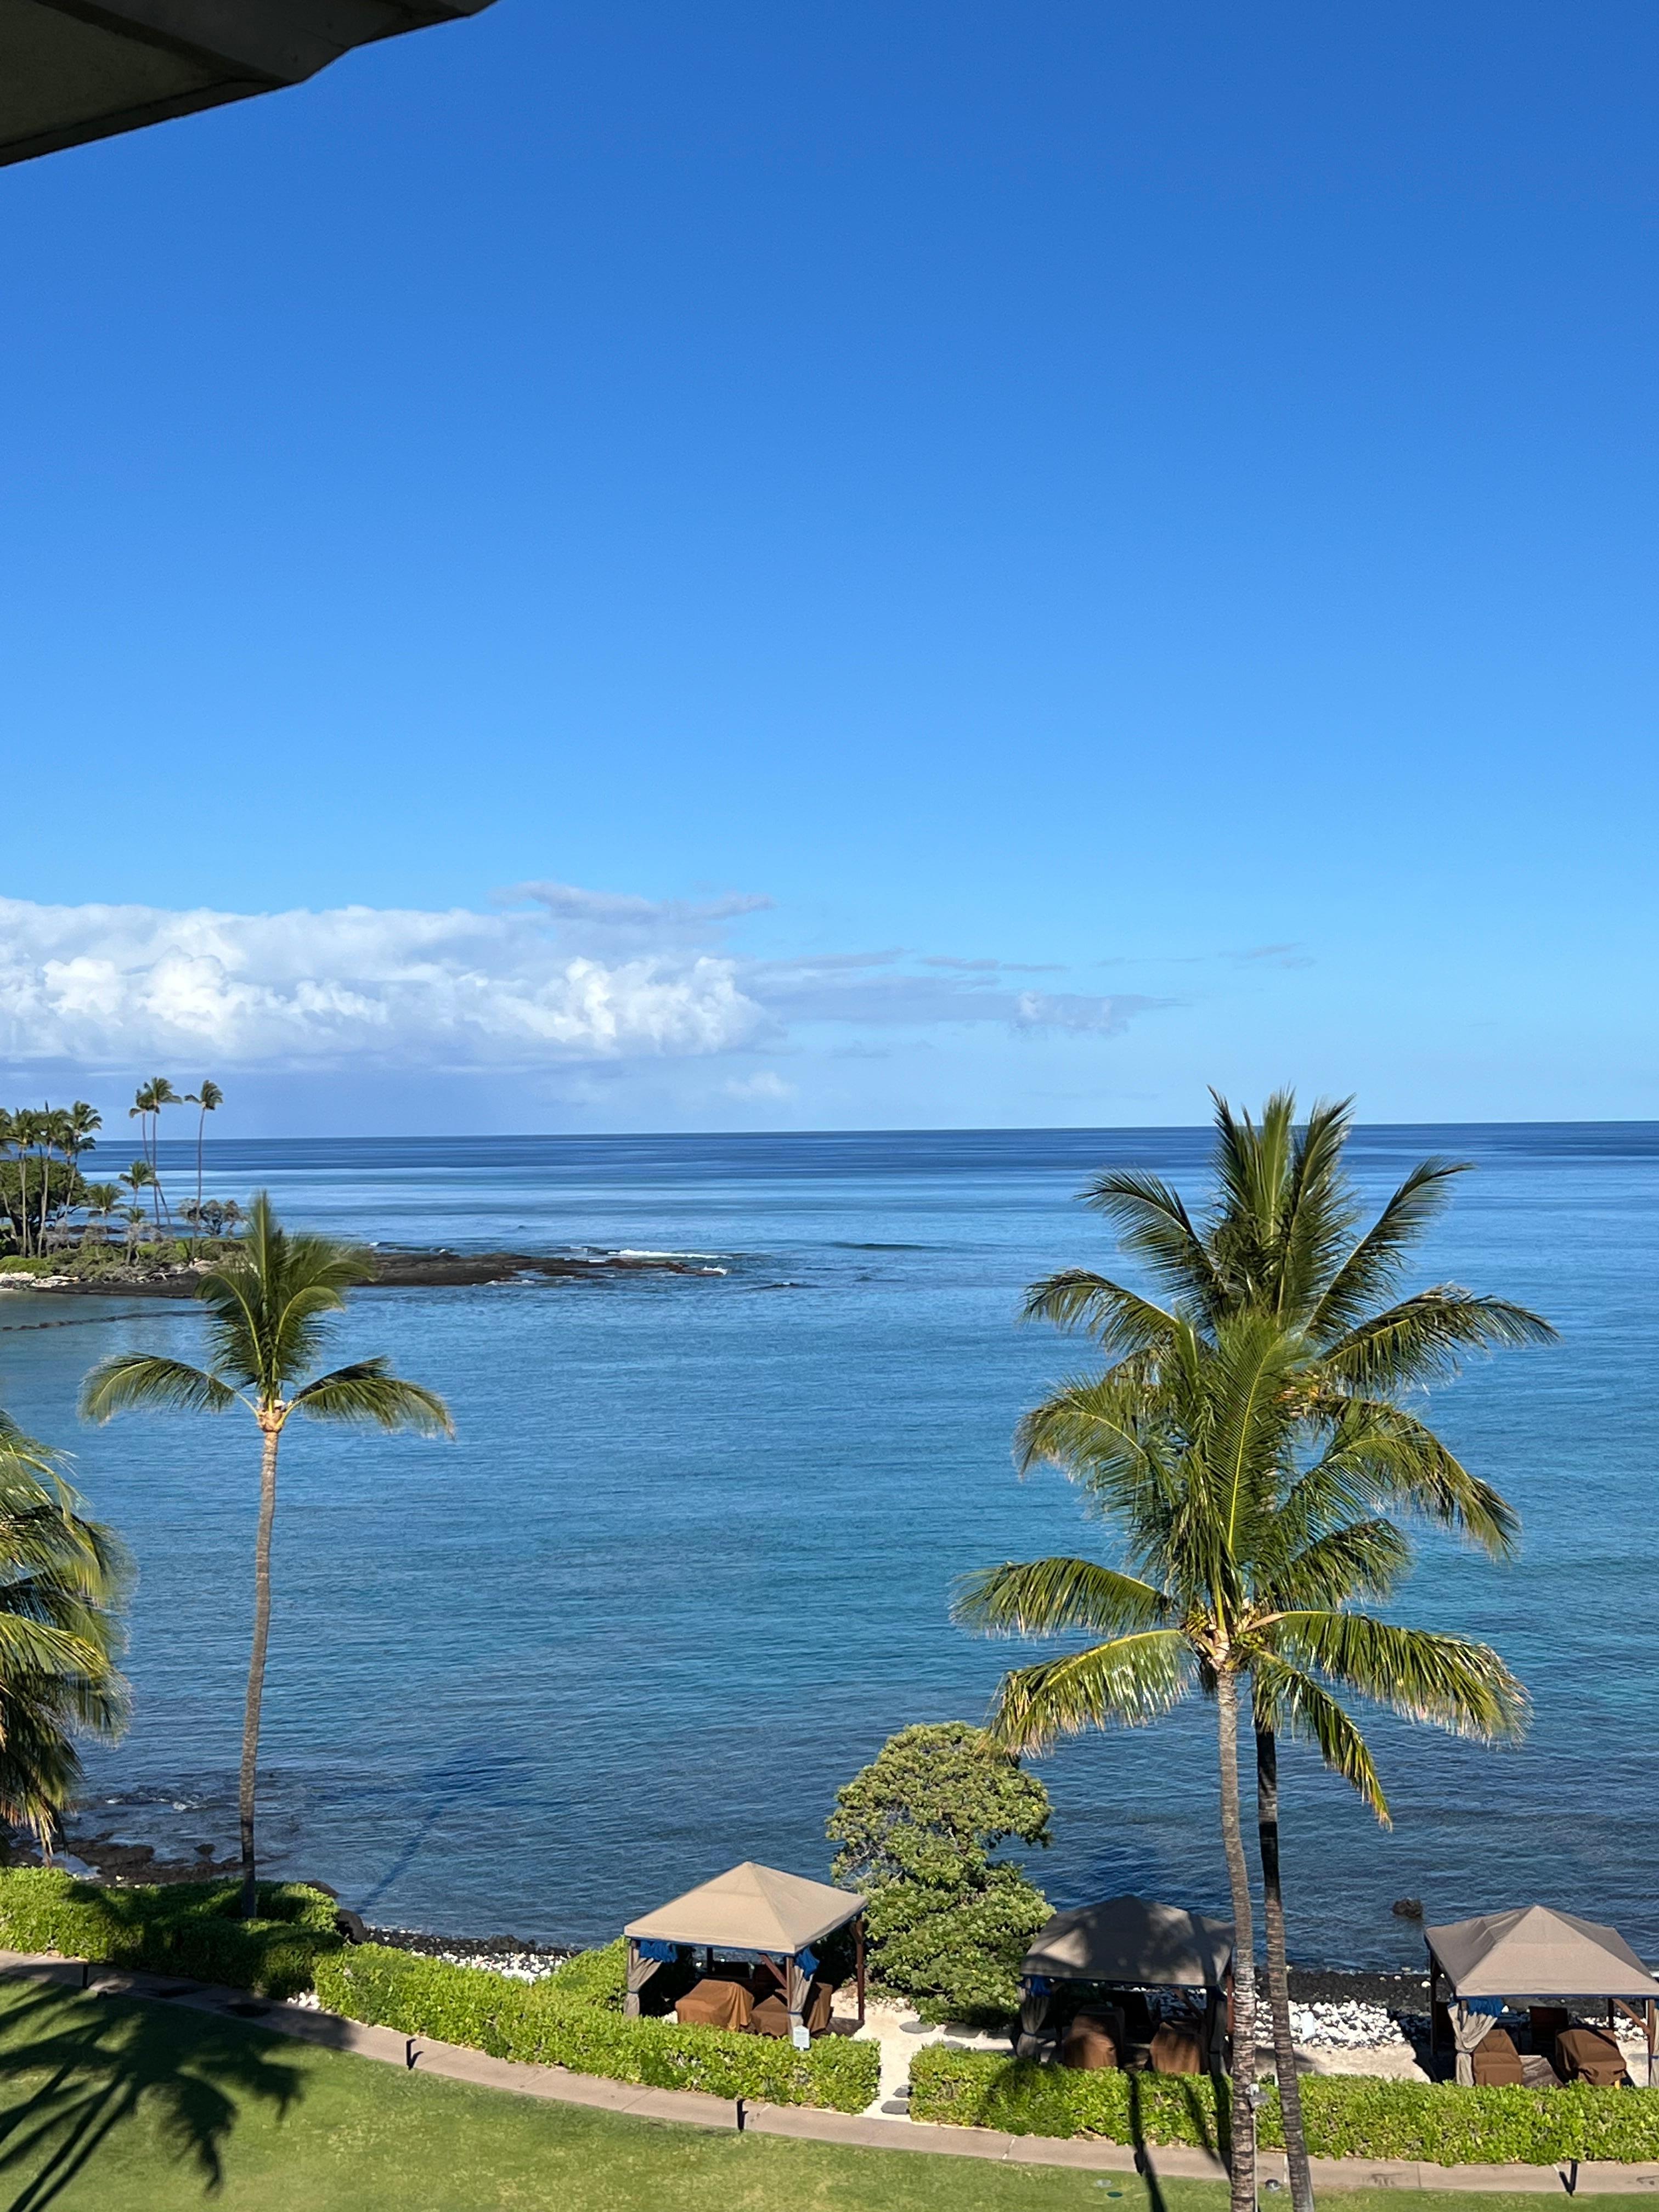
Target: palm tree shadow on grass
{"x":1212,"y":2121}
{"x":109,"y":2061}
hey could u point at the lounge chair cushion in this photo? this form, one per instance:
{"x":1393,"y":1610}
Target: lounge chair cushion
{"x":1177,"y":2051}
{"x":1592,"y":2056}
{"x":1496,"y":2062}
{"x":1090,"y":2045}
{"x":770,"y":2016}
{"x":715,"y":2004}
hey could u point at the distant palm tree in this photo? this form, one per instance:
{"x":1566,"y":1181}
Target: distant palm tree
{"x":1283,"y":1238}
{"x":143,"y":1106}
{"x":1243,"y":1557}
{"x":207,"y":1101}
{"x":103,"y":1199}
{"x":146,"y":1108}
{"x":56,"y":1133}
{"x":134,"y":1218}
{"x":268,"y":1305}
{"x":84,"y":1123}
{"x":62,"y":1580}
{"x":161,"y":1094}
{"x":24,"y":1134}
{"x":230,"y":1217}
{"x":139,"y":1178}
{"x":10,"y":1141}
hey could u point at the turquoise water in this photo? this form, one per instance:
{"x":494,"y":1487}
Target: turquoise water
{"x":688,"y":1562}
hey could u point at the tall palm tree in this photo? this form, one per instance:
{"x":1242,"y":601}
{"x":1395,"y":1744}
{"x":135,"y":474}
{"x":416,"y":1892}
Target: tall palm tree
{"x":268,"y":1306}
{"x":61,"y":1581}
{"x":1283,"y":1238}
{"x":1246,"y":1536}
{"x":206,"y":1101}
{"x":161,"y":1094}
{"x":84,"y":1123}
{"x":57,"y":1134}
{"x":25,"y":1136}
{"x":10,"y":1141}
{"x":143,"y":1106}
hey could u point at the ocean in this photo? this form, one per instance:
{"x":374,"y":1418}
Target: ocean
{"x":688,"y":1562}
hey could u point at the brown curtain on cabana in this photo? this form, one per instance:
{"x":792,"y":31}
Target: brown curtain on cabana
{"x":800,"y":1983}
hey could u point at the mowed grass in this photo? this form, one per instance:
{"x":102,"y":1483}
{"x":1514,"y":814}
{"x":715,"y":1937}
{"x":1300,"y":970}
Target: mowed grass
{"x":126,"y":2107}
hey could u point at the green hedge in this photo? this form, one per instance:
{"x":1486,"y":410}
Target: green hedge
{"x":1347,"y":2116}
{"x":571,"y":2018}
{"x":188,"y":1928}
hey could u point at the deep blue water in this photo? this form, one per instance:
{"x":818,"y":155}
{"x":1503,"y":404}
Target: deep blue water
{"x":688,"y":1562}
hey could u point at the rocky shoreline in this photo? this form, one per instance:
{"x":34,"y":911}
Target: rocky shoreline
{"x":395,"y":1268}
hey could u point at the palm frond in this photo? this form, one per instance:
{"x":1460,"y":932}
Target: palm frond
{"x":1152,"y":1224}
{"x":1078,"y":1302}
{"x":1373,"y":1265}
{"x":367,"y":1394}
{"x":1391,"y":1457}
{"x":1319,"y":1212}
{"x":1127,"y":1683}
{"x":1054,"y":1597}
{"x":132,"y":1381}
{"x":1426,"y":1338}
{"x":1458,"y":1686}
{"x":1289,"y":1702}
{"x":1365,"y":1559}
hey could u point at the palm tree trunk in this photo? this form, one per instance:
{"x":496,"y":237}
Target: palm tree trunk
{"x":256,"y":1665}
{"x":45,"y":1192}
{"x":1278,"y":1981}
{"x":195,"y":1226}
{"x":23,"y":1201}
{"x":1242,"y":2161}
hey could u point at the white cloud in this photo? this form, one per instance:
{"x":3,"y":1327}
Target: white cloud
{"x":108,"y":986}
{"x":592,"y":978}
{"x":1079,"y":1012}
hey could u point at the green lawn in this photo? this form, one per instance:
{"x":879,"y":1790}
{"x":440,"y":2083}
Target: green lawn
{"x":132,"y":2107}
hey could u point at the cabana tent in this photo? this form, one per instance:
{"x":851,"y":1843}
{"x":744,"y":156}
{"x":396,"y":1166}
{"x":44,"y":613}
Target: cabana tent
{"x":1127,"y":1942}
{"x":1533,"y":1954}
{"x":757,"y":1912}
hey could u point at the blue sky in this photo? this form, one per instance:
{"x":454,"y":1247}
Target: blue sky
{"x":1159,"y":499}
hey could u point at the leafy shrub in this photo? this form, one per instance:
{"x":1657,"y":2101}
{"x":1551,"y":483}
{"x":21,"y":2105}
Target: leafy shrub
{"x":948,"y":1925}
{"x":188,"y":1928}
{"x":1347,"y":2116}
{"x":567,"y":2020}
{"x":14,"y":1263}
{"x":597,"y":1977}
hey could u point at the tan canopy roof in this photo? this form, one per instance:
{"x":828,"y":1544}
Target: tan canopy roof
{"x":1129,"y":1939}
{"x":752,"y":1908}
{"x":1536,"y":1952}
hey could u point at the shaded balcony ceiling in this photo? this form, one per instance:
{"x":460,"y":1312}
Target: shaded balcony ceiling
{"x":71,"y":70}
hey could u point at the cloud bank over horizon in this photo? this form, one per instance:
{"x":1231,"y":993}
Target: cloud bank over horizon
{"x":574,"y":979}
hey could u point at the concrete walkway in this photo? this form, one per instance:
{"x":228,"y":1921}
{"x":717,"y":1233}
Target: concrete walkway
{"x":457,"y":2063}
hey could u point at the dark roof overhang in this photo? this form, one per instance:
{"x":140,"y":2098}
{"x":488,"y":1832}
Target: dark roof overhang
{"x":71,"y":70}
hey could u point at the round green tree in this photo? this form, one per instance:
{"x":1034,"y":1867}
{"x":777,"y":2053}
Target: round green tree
{"x":949,"y":1923}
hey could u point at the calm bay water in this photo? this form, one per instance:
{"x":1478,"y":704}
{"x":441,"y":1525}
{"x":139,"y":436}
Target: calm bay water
{"x":688,"y":1562}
